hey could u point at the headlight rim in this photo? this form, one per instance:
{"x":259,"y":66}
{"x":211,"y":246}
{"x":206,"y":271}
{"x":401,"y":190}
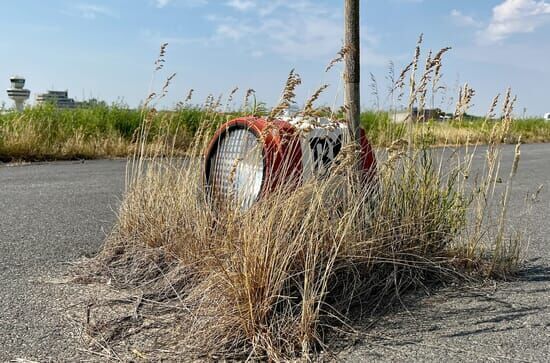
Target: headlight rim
{"x":237,"y":124}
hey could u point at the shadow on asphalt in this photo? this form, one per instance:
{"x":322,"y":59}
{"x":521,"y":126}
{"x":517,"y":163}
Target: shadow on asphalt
{"x":483,"y":312}
{"x":534,"y":272}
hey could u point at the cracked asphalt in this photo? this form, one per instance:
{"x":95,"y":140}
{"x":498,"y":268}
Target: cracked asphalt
{"x":54,"y":213}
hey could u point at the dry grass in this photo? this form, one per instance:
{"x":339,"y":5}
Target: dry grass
{"x":272,"y":282}
{"x":38,"y":135}
{"x":22,"y":140}
{"x":47,"y":133}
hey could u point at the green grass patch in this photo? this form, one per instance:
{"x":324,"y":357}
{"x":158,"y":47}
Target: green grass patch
{"x":49,"y":133}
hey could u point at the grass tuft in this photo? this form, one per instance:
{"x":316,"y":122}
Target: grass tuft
{"x":274,"y":281}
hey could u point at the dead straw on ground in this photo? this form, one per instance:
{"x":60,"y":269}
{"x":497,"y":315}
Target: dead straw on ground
{"x":275,"y":281}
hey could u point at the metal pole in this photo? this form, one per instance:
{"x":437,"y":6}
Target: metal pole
{"x":352,"y":73}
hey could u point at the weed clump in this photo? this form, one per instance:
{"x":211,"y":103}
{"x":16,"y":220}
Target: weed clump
{"x":273,"y":281}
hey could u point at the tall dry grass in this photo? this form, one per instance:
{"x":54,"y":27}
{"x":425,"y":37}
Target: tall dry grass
{"x":271,"y":282}
{"x":42,"y":134}
{"x":46,"y":133}
{"x":98,"y":131}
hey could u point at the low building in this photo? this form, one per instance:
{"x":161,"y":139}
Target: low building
{"x":420,"y":116}
{"x":547,"y":116}
{"x":58,"y":98}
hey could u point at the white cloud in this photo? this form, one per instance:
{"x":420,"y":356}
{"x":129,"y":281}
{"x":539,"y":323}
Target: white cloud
{"x":516,"y":16}
{"x":156,"y":38}
{"x":241,"y":5}
{"x":92,"y":11}
{"x":162,"y":3}
{"x":188,"y":3}
{"x":268,"y":7}
{"x":464,"y":20}
{"x":293,"y":29}
{"x":292,"y":6}
{"x":232,"y":31}
{"x":303,"y":37}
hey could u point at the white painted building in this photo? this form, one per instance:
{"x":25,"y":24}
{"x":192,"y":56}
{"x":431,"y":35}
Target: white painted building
{"x":17,"y":93}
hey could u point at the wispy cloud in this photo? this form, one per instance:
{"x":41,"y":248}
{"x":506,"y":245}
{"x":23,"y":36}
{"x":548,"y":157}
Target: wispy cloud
{"x":293,"y":29}
{"x":268,"y":7}
{"x":161,"y":3}
{"x":232,"y":31}
{"x":93,"y":11}
{"x":188,"y":3}
{"x":241,"y":5}
{"x":516,"y":16}
{"x":461,"y":19}
{"x":156,"y":38}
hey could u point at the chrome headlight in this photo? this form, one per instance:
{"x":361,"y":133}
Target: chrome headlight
{"x":235,"y":167}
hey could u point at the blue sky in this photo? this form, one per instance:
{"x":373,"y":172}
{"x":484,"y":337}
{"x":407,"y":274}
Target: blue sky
{"x":106,"y":49}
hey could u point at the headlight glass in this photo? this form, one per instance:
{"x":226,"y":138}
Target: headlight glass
{"x":236,"y":168}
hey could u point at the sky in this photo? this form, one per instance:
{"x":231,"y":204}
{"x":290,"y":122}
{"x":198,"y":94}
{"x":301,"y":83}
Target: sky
{"x":106,"y":49}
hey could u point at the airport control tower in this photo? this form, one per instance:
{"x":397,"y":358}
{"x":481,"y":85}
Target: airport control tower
{"x":17,"y":93}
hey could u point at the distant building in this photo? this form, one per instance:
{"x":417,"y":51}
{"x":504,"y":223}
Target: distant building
{"x":18,"y":93}
{"x":58,"y":98}
{"x":425,"y":115}
{"x":547,"y":116}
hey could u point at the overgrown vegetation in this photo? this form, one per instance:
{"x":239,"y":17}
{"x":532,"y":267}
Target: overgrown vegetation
{"x":274,"y":281}
{"x":468,"y":130}
{"x":46,"y":133}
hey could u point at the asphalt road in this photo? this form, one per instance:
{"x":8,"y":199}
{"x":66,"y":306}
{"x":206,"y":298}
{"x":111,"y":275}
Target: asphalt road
{"x":50,"y":214}
{"x":54,"y":213}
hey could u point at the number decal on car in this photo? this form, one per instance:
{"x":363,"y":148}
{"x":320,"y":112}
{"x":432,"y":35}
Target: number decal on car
{"x":324,"y":150}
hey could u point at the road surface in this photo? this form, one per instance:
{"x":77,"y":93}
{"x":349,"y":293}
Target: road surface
{"x":50,"y":214}
{"x":54,"y":213}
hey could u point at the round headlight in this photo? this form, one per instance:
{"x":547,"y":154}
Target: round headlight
{"x":250,"y":157}
{"x":235,"y":167}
